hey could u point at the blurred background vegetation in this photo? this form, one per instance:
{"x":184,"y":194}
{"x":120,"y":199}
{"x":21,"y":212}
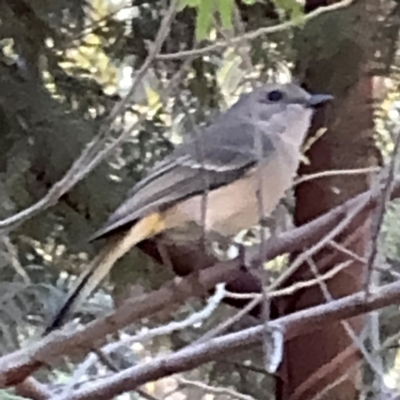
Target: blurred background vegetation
{"x":63,"y":67}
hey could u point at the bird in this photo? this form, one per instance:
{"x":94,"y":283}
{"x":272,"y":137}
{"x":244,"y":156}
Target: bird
{"x":254,"y":145}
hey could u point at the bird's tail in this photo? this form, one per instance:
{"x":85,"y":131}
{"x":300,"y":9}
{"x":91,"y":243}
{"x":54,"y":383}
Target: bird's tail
{"x":102,"y":264}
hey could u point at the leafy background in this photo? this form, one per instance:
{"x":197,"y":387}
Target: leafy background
{"x":63,"y":67}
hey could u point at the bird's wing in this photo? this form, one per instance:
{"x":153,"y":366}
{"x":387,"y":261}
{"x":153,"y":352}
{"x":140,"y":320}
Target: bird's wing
{"x":219,"y":156}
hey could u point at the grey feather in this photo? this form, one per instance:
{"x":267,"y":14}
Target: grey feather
{"x":184,"y":173}
{"x":219,"y":155}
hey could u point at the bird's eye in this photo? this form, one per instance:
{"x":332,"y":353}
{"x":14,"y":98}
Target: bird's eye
{"x":275,"y":95}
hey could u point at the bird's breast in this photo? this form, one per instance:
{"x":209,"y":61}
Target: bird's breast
{"x":234,"y":207}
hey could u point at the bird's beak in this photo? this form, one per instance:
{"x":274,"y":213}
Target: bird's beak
{"x":318,"y":99}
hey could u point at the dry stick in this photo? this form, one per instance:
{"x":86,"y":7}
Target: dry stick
{"x":357,"y":365}
{"x":356,"y":257}
{"x":14,"y":259}
{"x":371,"y":274}
{"x":113,"y":367}
{"x":292,"y":288}
{"x":73,"y":175}
{"x":260,"y":204}
{"x":256,"y":297}
{"x":339,"y":247}
{"x":103,"y":354}
{"x":89,"y":158}
{"x":340,"y":360}
{"x":191,"y":357}
{"x":309,"y":252}
{"x":18,"y":365}
{"x":258,"y":150}
{"x":265,"y":309}
{"x":215,"y":390}
{"x":320,"y":244}
{"x":335,"y":172}
{"x":256,"y":33}
{"x":373,"y":328}
{"x":347,"y":327}
{"x":154,"y":49}
{"x":223,"y":326}
{"x":85,"y":161}
{"x":310,"y":233}
{"x":352,"y":368}
{"x":167,"y":329}
{"x":378,"y":216}
{"x":94,"y":24}
{"x":296,"y":264}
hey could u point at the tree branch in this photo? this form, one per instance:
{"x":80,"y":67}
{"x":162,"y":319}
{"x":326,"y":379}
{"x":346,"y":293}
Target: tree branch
{"x":190,"y":357}
{"x":16,"y":366}
{"x":95,"y":151}
{"x":254,"y":34}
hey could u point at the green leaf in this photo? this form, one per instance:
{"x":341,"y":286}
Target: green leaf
{"x":190,"y":3}
{"x":187,"y":3}
{"x":249,"y":2}
{"x":225,"y":8}
{"x":204,"y":18}
{"x":205,"y":11}
{"x":292,"y":7}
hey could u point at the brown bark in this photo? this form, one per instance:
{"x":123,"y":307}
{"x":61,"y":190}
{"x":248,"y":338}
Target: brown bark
{"x":17,"y":366}
{"x":335,"y":54}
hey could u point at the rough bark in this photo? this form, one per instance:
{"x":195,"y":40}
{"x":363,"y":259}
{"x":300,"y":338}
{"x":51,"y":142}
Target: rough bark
{"x":335,"y":54}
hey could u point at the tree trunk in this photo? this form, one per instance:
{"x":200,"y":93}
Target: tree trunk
{"x":335,"y":53}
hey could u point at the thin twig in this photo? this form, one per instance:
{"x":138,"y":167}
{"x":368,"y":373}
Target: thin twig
{"x":356,"y":210}
{"x":344,"y":250}
{"x":17,"y":366}
{"x":173,"y":326}
{"x":290,"y":289}
{"x":256,"y":297}
{"x":319,"y":245}
{"x":259,"y":153}
{"x":192,"y":356}
{"x":256,"y":33}
{"x":323,"y":393}
{"x":223,"y":326}
{"x":347,"y":327}
{"x":92,"y":154}
{"x":378,"y":216}
{"x":336,"y":172}
{"x":373,"y":328}
{"x":243,"y":53}
{"x":265,"y":309}
{"x":94,"y":24}
{"x":214,"y":390}
{"x":14,"y":259}
{"x":113,"y":367}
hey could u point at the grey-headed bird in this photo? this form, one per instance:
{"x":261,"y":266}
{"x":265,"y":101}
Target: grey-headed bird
{"x":259,"y":137}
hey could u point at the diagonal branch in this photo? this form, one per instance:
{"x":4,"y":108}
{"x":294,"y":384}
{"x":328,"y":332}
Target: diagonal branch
{"x":192,"y":356}
{"x":94,"y":152}
{"x":256,"y":33}
{"x":16,"y":366}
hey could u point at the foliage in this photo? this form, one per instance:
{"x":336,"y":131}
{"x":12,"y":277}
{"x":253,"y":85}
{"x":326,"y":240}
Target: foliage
{"x":64,"y":66}
{"x":224,"y":9}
